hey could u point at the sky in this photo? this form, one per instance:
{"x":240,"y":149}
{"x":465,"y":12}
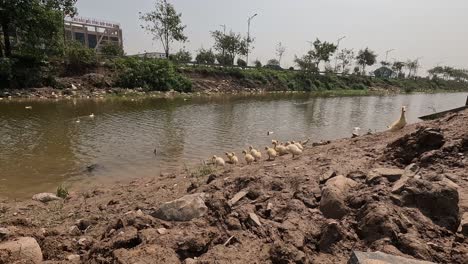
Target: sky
{"x":433,"y":30}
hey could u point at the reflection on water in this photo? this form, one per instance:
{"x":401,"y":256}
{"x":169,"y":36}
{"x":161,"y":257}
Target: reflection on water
{"x":46,"y":146}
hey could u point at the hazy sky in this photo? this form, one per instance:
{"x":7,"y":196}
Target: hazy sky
{"x":433,"y":29}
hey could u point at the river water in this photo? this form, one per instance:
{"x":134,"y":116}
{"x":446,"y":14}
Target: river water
{"x":44,"y":147}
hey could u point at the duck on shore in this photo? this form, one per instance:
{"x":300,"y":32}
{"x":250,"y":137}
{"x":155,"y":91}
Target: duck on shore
{"x":271,"y":152}
{"x":218,"y":161}
{"x":400,"y":123}
{"x":232,"y":158}
{"x":255,"y":153}
{"x":248,"y":157}
{"x":280,"y":149}
{"x":293,"y":149}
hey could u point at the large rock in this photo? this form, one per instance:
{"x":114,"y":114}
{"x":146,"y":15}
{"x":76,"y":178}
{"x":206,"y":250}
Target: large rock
{"x":45,"y":197}
{"x":391,"y":175}
{"x":183,"y":209}
{"x":334,"y":195}
{"x":378,"y":220}
{"x":437,"y":200}
{"x":23,"y":248}
{"x":411,"y":146}
{"x":330,"y":236}
{"x":381,"y":258}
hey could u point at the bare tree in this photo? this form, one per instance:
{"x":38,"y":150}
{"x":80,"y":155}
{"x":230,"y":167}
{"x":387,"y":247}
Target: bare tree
{"x":280,"y":50}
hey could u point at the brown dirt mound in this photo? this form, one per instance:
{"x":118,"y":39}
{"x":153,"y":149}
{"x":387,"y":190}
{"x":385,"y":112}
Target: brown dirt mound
{"x":276,"y":216}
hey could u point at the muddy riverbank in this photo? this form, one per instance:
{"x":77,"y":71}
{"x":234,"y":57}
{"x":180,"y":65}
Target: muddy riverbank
{"x":403,"y":193}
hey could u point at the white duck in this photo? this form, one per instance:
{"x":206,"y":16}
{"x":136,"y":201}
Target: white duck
{"x":218,"y":161}
{"x":400,"y":123}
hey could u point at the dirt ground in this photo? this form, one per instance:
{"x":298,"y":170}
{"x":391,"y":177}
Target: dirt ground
{"x":318,"y":208}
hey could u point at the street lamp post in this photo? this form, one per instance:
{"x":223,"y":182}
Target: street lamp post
{"x":248,"y":36}
{"x":387,"y":52}
{"x":337,"y":45}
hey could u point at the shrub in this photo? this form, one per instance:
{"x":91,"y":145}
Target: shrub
{"x":6,"y":72}
{"x":258,"y":64}
{"x":205,"y":57}
{"x":151,"y":74}
{"x":62,"y":192}
{"x":23,"y":72}
{"x":112,"y":49}
{"x":241,"y":63}
{"x":182,"y":56}
{"x":78,"y":58}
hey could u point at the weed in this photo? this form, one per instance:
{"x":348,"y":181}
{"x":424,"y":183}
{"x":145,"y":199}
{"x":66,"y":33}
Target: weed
{"x":62,"y":192}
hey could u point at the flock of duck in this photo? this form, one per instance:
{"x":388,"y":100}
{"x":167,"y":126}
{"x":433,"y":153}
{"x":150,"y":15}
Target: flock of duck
{"x":253,"y":155}
{"x":290,"y":147}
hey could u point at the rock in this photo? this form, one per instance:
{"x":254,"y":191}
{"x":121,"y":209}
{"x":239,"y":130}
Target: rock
{"x":334,"y":195}
{"x":237,"y":197}
{"x":413,"y":246}
{"x":83,"y":224}
{"x":45,"y":197}
{"x":436,"y":200}
{"x":378,"y":220}
{"x":405,"y":149}
{"x":183,"y":209}
{"x":74,"y":231}
{"x":126,"y":238}
{"x":4,"y":233}
{"x":254,"y":219}
{"x":74,"y":258}
{"x":326,"y":176}
{"x":330,"y":236}
{"x":25,"y":249}
{"x":283,"y":253}
{"x":356,"y":175}
{"x":146,"y":254}
{"x":411,"y":170}
{"x":190,"y":261}
{"x":381,"y":258}
{"x":463,"y":228}
{"x":392,"y":175}
{"x":162,"y":230}
{"x":233,"y":223}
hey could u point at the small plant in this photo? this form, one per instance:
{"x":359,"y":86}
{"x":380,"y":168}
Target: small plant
{"x":62,"y":192}
{"x":203,"y":170}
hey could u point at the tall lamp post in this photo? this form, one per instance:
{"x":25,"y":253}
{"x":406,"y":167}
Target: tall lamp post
{"x":387,"y":52}
{"x":248,"y":36}
{"x":337,"y":45}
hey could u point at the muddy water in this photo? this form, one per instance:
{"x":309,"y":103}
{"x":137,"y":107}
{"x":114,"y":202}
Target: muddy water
{"x":45,"y":146}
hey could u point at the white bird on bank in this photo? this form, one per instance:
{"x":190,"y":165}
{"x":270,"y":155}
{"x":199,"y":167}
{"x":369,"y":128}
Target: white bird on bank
{"x":270,"y":133}
{"x":271,"y":152}
{"x":248,"y":157}
{"x":293,"y":149}
{"x":91,"y":115}
{"x":400,"y":123}
{"x":218,"y":161}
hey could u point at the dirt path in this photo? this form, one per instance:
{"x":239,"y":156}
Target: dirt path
{"x":351,"y":194}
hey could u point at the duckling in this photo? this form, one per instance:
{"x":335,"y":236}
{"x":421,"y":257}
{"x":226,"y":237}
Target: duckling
{"x":271,"y":152}
{"x":28,"y":107}
{"x":293,"y":149}
{"x":232,"y":158}
{"x":248,"y":157}
{"x":355,"y":133}
{"x":218,"y":161}
{"x":91,"y":115}
{"x":400,"y":123}
{"x":255,"y":153}
{"x":280,"y":149}
{"x":299,"y":145}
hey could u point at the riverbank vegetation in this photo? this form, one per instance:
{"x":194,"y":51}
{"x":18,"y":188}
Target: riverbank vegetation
{"x":44,"y":57}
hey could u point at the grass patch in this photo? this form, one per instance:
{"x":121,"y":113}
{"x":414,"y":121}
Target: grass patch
{"x":62,"y":192}
{"x":202,"y":171}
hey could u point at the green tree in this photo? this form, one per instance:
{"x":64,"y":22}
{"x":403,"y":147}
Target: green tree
{"x":412,"y":66}
{"x":346,"y":56}
{"x":306,"y":63}
{"x":232,"y":44}
{"x":205,"y":57}
{"x":258,"y":63}
{"x":365,"y":58}
{"x":165,"y":24}
{"x":398,"y":67}
{"x":322,"y":51}
{"x":273,"y":62}
{"x":182,"y":56}
{"x":38,"y":25}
